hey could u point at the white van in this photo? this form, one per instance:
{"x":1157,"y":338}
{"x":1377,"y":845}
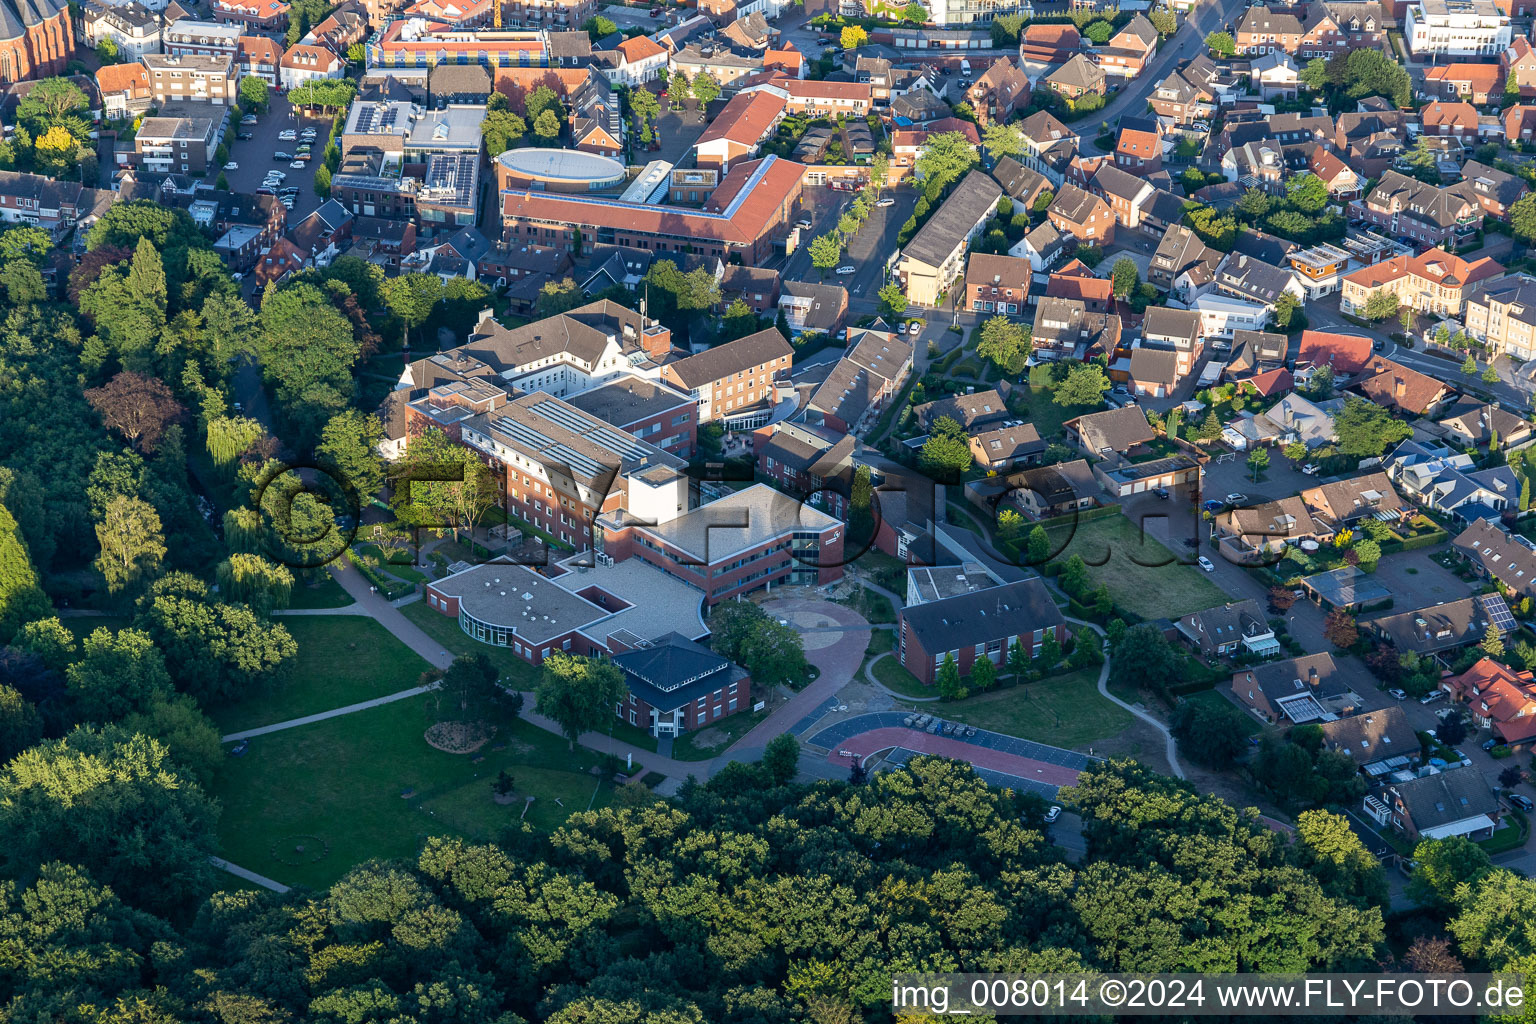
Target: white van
{"x":965,"y":68}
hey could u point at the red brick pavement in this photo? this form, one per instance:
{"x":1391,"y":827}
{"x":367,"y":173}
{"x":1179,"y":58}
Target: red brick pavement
{"x":866,"y":743}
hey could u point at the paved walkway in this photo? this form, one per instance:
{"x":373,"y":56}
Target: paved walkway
{"x":875,"y":740}
{"x":247,"y":874}
{"x":1170,"y":746}
{"x":869,"y":677}
{"x":294,"y":723}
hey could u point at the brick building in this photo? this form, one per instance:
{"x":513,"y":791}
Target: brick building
{"x":979,"y":624}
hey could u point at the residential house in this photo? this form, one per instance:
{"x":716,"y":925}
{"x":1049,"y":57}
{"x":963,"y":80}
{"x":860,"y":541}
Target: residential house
{"x":756,"y":286}
{"x":124,"y":90}
{"x":1078,"y":77}
{"x":1046,"y":492}
{"x":1259,"y":534}
{"x":1075,"y":281}
{"x":306,"y":62}
{"x":738,"y":131}
{"x":1300,"y":419}
{"x":930,"y":263}
{"x":1443,"y":805}
{"x":1276,"y":76}
{"x":1408,"y":208}
{"x":1127,"y":194}
{"x":1020,"y":183}
{"x":1153,"y":371}
{"x":257,"y":15}
{"x":1501,"y":314}
{"x":1000,"y":92}
{"x":1447,"y":482}
{"x":997,"y":284}
{"x":176,"y":143}
{"x":1082,"y":216}
{"x":1266,"y":30}
{"x":57,"y":207}
{"x":981,"y":624}
{"x":640,"y":61}
{"x":1064,"y":329}
{"x":1447,"y":626}
{"x":1181,"y":100}
{"x":1520,"y":59}
{"x":1043,"y":247}
{"x":1345,"y":354}
{"x":1402,"y":389}
{"x":1473,"y":423}
{"x":1129,"y":49}
{"x":1228,"y":630}
{"x":1049,"y":146}
{"x":260,"y":56}
{"x":1474,"y":83}
{"x":1174,"y":330}
{"x":1500,"y":698}
{"x":975,"y":412}
{"x":1101,"y":435}
{"x":1445,"y":119}
{"x":807,"y":461}
{"x":1003,"y":448}
{"x":1139,"y":145}
{"x":1311,"y":688}
{"x":1344,"y":183}
{"x":1049,"y":44}
{"x":1379,"y":742}
{"x":828,"y":99}
{"x":1340,"y":28}
{"x":1499,"y":555}
{"x":1433,"y":282}
{"x":1343,"y":503}
{"x":132,"y":27}
{"x":1319,"y":269}
{"x":813,"y":308}
{"x":1183,"y":265}
{"x":1494,"y":190}
{"x":868,"y":376}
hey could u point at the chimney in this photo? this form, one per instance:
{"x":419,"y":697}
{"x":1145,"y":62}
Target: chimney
{"x":1399,"y":387}
{"x":1312,"y":679}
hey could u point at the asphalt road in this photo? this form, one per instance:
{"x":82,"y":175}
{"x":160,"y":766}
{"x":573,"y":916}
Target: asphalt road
{"x":866,"y":252}
{"x":255,"y":158}
{"x":1188,"y":42}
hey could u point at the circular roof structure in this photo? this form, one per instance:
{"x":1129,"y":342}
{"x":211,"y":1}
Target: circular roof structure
{"x":562,"y":165}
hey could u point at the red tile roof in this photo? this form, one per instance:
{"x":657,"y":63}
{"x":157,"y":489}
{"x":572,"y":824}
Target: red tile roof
{"x":258,"y":50}
{"x":1075,"y":281}
{"x":811,"y":90}
{"x":1483,"y":78}
{"x":1454,"y":114}
{"x":1345,"y":353}
{"x":1272,"y":382}
{"x":639,"y":48}
{"x":1433,"y":265}
{"x":745,"y":119}
{"x":789,"y":58}
{"x":129,"y":78}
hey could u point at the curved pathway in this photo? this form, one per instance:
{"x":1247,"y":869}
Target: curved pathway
{"x":1170,"y":745}
{"x":869,"y":677}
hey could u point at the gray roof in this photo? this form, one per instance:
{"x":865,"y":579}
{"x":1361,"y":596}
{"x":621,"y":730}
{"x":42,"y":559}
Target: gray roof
{"x":1213,"y":627}
{"x":714,"y":363}
{"x":1113,"y":429}
{"x":741,"y":521}
{"x":629,"y":400}
{"x":1281,"y":679}
{"x":1063,"y":482}
{"x":970,"y":411}
{"x":1433,"y":801}
{"x":1441,"y":627}
{"x":1180,"y":326}
{"x":970,"y":202}
{"x":1372,"y":736}
{"x":1013,"y":609}
{"x":1112,"y":181}
{"x":674,"y":671}
{"x":1079,"y":72}
{"x":1154,"y":365}
{"x":1253,"y":278}
{"x":1017,"y":180}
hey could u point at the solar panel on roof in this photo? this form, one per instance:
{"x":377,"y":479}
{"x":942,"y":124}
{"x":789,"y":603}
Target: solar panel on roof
{"x":1499,"y":614}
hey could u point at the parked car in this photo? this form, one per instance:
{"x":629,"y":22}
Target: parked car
{"x":1397,"y":694}
{"x":1237,"y":498}
{"x":280,"y":155}
{"x":1211,"y":505}
{"x":1161,"y":492}
{"x":248,"y":119}
{"x":886,"y":202}
{"x":1206,"y":564}
{"x":803,"y":222}
{"x":244,"y":136}
{"x":1522,"y":802}
{"x":297,"y":164}
{"x":1310,"y":469}
{"x":1492,"y":742}
{"x":1120,"y":389}
{"x":1432,"y":696}
{"x":846,"y":270}
{"x":265,"y":190}
{"x":1052,"y":814}
{"x":231,"y":166}
{"x":915,"y":327}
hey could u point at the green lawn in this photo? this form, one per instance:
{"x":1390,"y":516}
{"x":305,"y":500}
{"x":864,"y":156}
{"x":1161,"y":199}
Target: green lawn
{"x":1143,"y":576}
{"x":399,"y":566}
{"x":890,"y":673}
{"x":336,"y":787}
{"x":1064,"y":711}
{"x":445,"y":630}
{"x":342,"y":659}
{"x":325,"y":594}
{"x":731,"y":729}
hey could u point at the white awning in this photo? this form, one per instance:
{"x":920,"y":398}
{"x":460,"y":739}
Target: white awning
{"x":1466,"y":826}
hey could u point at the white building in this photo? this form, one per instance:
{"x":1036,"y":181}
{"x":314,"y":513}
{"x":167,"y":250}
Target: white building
{"x":1220,"y":315}
{"x":1457,"y":28}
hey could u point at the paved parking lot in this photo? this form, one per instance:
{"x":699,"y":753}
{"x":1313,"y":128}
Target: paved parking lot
{"x":1227,"y":474}
{"x":867,"y":250}
{"x":255,"y":155}
{"x":1416,"y":580}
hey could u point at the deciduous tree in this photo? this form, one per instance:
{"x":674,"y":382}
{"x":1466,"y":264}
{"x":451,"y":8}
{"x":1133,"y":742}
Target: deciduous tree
{"x":136,"y":406}
{"x":578,"y":693}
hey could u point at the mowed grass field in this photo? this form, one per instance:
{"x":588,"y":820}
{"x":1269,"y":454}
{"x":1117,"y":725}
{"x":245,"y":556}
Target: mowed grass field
{"x":336,"y":788}
{"x":1063,"y":711}
{"x":1143,"y":576}
{"x":342,"y":659}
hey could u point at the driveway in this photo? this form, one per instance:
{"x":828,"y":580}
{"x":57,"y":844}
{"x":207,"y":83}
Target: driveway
{"x":867,"y":251}
{"x":255,"y":155}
